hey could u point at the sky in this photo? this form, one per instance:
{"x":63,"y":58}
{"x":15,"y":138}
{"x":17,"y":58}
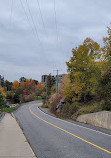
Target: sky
{"x":37,"y":36}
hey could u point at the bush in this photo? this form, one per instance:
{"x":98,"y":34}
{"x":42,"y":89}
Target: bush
{"x":27,"y":98}
{"x":53,"y":101}
{"x":10,"y":95}
{"x":69,"y":109}
{"x":10,"y":109}
{"x":43,"y":95}
{"x":94,"y":107}
{"x":30,"y":97}
{"x":38,"y":98}
{"x":45,"y":106}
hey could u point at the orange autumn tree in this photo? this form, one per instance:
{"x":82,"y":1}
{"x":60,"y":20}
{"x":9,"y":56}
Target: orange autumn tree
{"x":28,"y":83}
{"x":15,"y":85}
{"x":39,"y":88}
{"x":22,"y":85}
{"x":32,"y":81}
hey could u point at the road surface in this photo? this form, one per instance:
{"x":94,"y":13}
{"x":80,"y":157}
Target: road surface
{"x":51,"y":137}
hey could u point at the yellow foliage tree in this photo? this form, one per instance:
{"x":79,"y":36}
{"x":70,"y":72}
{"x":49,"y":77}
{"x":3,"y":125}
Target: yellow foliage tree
{"x":83,"y":70}
{"x":15,"y":85}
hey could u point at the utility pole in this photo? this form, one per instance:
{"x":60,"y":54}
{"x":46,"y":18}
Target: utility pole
{"x":0,"y":81}
{"x":57,"y":82}
{"x":57,"y":90}
{"x":46,"y":90}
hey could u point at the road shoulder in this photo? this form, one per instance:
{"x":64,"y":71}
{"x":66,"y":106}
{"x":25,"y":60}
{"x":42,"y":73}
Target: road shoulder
{"x":92,"y":127}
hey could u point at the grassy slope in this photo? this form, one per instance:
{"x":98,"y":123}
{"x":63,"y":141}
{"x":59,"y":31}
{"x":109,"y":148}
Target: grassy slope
{"x":10,"y":109}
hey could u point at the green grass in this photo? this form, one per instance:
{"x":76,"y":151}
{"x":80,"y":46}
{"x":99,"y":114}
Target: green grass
{"x":10,"y":109}
{"x":89,"y":108}
{"x":38,"y":98}
{"x":45,"y":106}
{"x":74,"y":110}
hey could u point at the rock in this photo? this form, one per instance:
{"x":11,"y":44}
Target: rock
{"x":59,"y":106}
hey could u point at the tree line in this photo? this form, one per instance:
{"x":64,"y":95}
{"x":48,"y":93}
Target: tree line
{"x":87,"y":87}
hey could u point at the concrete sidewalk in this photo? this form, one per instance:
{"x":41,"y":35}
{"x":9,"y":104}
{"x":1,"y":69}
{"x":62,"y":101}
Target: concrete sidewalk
{"x":12,"y":140}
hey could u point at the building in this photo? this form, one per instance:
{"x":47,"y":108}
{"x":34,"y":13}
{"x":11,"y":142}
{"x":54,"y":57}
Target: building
{"x":60,"y":77}
{"x":44,"y":78}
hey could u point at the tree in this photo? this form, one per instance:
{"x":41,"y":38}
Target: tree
{"x":8,"y":85}
{"x":107,"y":44}
{"x":22,"y":79}
{"x":104,"y":90}
{"x":2,"y":98}
{"x":50,"y":84}
{"x":16,"y":96}
{"x":2,"y":81}
{"x":27,"y":83}
{"x":107,"y":50}
{"x":39,"y":88}
{"x":83,"y":70}
{"x":36,"y":82}
{"x":67,"y":88}
{"x":15,"y":85}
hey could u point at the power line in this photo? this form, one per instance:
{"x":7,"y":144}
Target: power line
{"x":41,"y":15}
{"x":28,"y":20}
{"x":56,"y":21}
{"x":32,"y":20}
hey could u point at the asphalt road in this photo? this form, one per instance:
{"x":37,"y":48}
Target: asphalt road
{"x":51,"y":137}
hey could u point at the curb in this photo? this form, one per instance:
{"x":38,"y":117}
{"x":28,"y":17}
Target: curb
{"x":2,"y":115}
{"x":47,"y":112}
{"x":89,"y":126}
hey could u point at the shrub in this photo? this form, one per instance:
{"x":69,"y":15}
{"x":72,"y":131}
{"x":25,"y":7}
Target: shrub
{"x":69,"y":109}
{"x":38,"y":98}
{"x":9,"y":110}
{"x":54,"y":100}
{"x":30,"y":97}
{"x":43,"y":95}
{"x":45,"y":106}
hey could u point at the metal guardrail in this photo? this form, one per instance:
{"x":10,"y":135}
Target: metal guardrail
{"x":2,"y":115}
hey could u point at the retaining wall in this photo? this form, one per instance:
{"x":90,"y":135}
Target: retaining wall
{"x":101,"y":119}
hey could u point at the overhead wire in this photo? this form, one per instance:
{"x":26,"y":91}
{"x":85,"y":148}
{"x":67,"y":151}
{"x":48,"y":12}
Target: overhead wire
{"x":41,"y":14}
{"x":28,"y":20}
{"x":32,"y":20}
{"x":56,"y":21}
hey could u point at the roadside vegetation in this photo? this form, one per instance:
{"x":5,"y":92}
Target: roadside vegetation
{"x":21,"y":91}
{"x":39,"y":98}
{"x":2,"y":98}
{"x":11,"y":109}
{"x":87,"y":87}
{"x":45,"y":106}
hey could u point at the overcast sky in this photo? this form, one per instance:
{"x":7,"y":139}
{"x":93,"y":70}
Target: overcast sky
{"x":35,"y":47}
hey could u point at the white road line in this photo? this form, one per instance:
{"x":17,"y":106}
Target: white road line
{"x":75,"y":124}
